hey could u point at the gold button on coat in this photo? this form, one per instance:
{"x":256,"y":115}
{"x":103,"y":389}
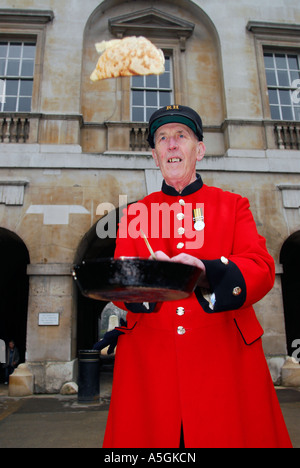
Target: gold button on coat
{"x":181,"y":330}
{"x":181,"y":231}
{"x":236,"y":291}
{"x":180,"y":216}
{"x":181,"y":202}
{"x":180,"y":245}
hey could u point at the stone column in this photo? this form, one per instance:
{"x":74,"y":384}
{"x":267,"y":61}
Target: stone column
{"x":51,"y":327}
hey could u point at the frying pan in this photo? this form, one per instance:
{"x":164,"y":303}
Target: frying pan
{"x":135,"y":280}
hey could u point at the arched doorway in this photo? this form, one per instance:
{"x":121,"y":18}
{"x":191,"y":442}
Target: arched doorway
{"x":14,"y":285}
{"x":290,"y":260}
{"x":91,"y":247}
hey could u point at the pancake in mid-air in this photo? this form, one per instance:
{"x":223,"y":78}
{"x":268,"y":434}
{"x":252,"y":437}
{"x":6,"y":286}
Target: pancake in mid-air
{"x":128,"y":57}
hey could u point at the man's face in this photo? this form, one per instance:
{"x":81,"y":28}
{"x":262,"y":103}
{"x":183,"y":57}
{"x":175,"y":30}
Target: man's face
{"x":176,"y":153}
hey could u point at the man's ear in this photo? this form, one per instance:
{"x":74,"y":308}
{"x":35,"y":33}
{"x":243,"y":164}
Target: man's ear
{"x":201,"y":151}
{"x":155,"y":157}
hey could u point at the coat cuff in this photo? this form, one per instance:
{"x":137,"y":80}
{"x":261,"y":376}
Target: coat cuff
{"x":227,"y":287}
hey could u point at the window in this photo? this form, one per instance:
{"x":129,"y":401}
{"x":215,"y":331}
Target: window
{"x":283,"y":80}
{"x":149,"y":93}
{"x":17,"y":61}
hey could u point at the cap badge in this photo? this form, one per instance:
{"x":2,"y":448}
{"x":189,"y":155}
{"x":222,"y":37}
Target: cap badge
{"x":172,"y":108}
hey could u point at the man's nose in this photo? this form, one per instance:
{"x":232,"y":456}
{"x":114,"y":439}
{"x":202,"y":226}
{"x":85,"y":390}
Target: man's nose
{"x":173,"y":143}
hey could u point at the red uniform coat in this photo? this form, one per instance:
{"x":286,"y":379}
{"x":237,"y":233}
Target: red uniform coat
{"x":191,"y":363}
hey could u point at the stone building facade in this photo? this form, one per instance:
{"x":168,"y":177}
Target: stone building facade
{"x":68,"y":146}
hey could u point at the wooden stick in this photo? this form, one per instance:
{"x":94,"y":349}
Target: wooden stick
{"x":148,"y":246}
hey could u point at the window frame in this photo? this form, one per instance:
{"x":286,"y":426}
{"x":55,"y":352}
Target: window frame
{"x":272,"y":36}
{"x":31,"y":29}
{"x":167,"y":32}
{"x":19,"y":78}
{"x":280,"y":87}
{"x":155,"y":89}
{"x":171,"y":47}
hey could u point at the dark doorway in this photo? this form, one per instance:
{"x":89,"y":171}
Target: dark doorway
{"x":14,"y":285}
{"x":91,"y":247}
{"x":290,"y":260}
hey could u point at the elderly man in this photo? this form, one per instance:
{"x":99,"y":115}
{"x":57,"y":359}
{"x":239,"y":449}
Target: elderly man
{"x":194,"y":369}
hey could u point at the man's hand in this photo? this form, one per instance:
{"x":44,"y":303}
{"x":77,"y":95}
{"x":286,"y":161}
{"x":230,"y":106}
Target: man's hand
{"x":187,"y":260}
{"x":110,"y":339}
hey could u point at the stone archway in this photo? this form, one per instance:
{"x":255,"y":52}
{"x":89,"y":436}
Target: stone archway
{"x":187,"y":34}
{"x":290,"y":260}
{"x":14,"y":287}
{"x":89,"y":310}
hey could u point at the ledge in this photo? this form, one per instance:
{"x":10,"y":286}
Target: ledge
{"x":49,"y":269}
{"x":265,"y":27}
{"x":18,"y":15}
{"x":12,"y":191}
{"x":288,"y":186}
{"x":13,"y":181}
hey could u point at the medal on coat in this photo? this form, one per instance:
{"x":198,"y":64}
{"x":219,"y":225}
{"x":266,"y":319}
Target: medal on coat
{"x":198,"y":219}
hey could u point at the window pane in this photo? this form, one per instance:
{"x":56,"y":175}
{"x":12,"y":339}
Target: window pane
{"x":164,"y":99}
{"x":3,"y":49}
{"x":164,"y":80}
{"x":151,"y":98}
{"x":15,"y":49}
{"x":285,"y":97}
{"x":287,"y":113}
{"x":297,"y":113}
{"x":271,"y":78}
{"x":13,"y":67}
{"x":137,"y":81}
{"x":27,"y":68}
{"x":138,"y":114}
{"x":10,"y":104}
{"x":283,"y":78}
{"x":273,"y":97}
{"x":280,"y":60}
{"x":26,"y":88}
{"x":24,"y":104}
{"x":168,"y":64}
{"x":12,"y":87}
{"x":269,"y":61}
{"x":295,"y":76}
{"x":29,"y":51}
{"x":293,"y":62}
{"x":2,"y":67}
{"x":151,"y":81}
{"x":149,"y":112}
{"x":138,"y":98}
{"x":275,"y":113}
